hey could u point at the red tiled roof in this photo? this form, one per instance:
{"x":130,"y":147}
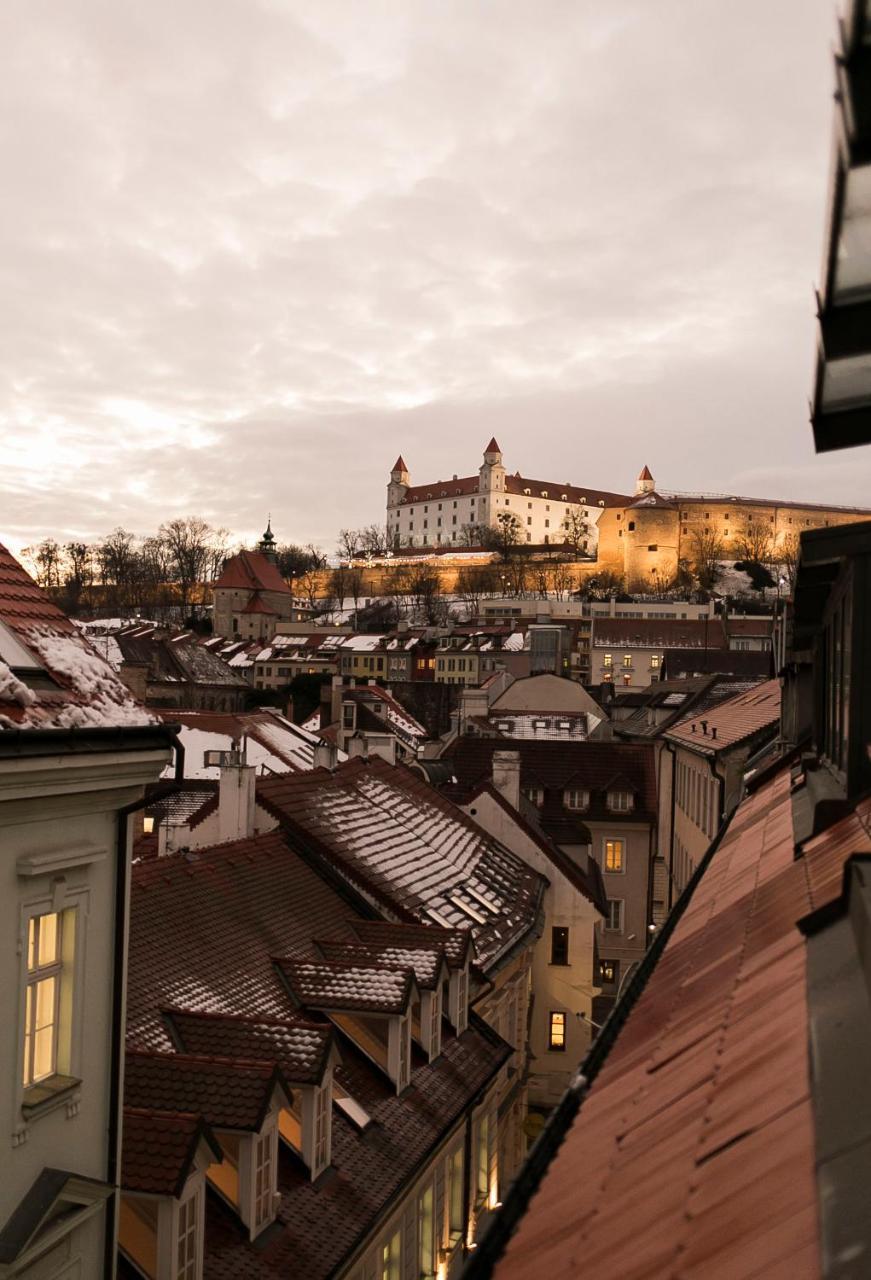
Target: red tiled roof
{"x":256,"y":605}
{"x":693,"y":1154}
{"x":395,"y":838}
{"x":83,"y":691}
{"x":658,"y":633}
{"x":591,"y":766}
{"x":749,"y":626}
{"x":301,"y":1049}
{"x":746,"y":663}
{"x":457,"y":944}
{"x":251,"y":571}
{"x":203,"y":930}
{"x":731,"y":721}
{"x":159,"y":1149}
{"x":228,"y":1093}
{"x":426,"y":963}
{"x":366,"y":987}
{"x":517,"y":485}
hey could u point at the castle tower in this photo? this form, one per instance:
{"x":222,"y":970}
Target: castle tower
{"x":266,"y":545}
{"x":400,"y":481}
{"x":645,"y":482}
{"x":492,"y":473}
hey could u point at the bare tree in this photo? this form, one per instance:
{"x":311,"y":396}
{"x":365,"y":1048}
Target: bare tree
{"x":45,"y":560}
{"x":475,"y":535}
{"x":374,"y":540}
{"x":349,"y":544}
{"x":424,"y":588}
{"x":706,"y":551}
{"x":575,"y":529}
{"x":563,"y":582}
{"x":506,"y":536}
{"x":195,"y":551}
{"x":754,"y":542}
{"x":787,"y":555}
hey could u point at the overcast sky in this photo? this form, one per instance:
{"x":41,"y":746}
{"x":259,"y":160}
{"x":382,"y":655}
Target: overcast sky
{"x":250,"y":250}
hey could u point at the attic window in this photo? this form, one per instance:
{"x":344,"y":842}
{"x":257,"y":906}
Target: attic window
{"x":620,"y":801}
{"x":576,"y":798}
{"x":564,"y":497}
{"x":535,"y":795}
{"x":24,"y":665}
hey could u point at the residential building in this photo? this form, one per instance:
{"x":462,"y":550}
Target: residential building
{"x":364,"y":719}
{"x":565,"y":964}
{"x":749,"y":632}
{"x":594,"y":800}
{"x":744,"y":664}
{"x":416,"y":858}
{"x":701,"y":774}
{"x":468,"y":656}
{"x":167,"y":670}
{"x":717,"y":1098}
{"x":629,"y":652}
{"x":308,"y":1091}
{"x":76,"y":753}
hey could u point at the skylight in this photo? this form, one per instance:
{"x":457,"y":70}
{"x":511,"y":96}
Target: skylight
{"x":15,"y":655}
{"x":357,"y":1114}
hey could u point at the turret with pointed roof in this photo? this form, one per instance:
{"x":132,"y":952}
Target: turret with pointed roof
{"x":266,"y":545}
{"x":645,"y":482}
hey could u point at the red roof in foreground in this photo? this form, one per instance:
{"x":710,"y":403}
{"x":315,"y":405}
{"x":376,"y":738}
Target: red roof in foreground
{"x":251,"y":571}
{"x":731,"y":721}
{"x":693,"y":1153}
{"x":59,"y":681}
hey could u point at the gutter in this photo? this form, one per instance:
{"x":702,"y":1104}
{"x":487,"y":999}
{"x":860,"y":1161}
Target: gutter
{"x":27,"y":742}
{"x":119,"y":986}
{"x":516,"y":1200}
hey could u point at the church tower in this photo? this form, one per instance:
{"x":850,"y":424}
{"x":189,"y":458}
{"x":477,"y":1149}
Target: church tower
{"x":492,"y":473}
{"x":266,"y":545}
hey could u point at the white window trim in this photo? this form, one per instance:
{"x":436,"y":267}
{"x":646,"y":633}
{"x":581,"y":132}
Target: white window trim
{"x":70,"y":1063}
{"x":610,"y":871}
{"x":609,"y":928}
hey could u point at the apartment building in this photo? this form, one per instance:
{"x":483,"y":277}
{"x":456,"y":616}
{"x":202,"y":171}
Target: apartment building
{"x":76,"y":753}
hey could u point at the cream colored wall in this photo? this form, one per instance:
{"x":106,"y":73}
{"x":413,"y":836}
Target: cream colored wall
{"x":646,"y":665}
{"x":67,"y":805}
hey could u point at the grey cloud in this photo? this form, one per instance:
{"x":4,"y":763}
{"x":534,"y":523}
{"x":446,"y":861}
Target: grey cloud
{"x":255,"y":248}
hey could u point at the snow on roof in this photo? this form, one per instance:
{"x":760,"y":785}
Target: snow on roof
{"x":415,"y":846}
{"x":326,"y":985}
{"x":273,"y":744}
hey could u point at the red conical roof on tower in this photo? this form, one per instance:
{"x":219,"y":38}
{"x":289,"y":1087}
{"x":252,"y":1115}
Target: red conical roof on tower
{"x":646,"y":474}
{"x":399,"y":464}
{"x":493,"y":447}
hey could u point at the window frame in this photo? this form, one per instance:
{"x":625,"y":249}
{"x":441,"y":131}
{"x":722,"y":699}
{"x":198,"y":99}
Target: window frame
{"x":614,"y":841}
{"x":557,"y":1031}
{"x":620,"y":903}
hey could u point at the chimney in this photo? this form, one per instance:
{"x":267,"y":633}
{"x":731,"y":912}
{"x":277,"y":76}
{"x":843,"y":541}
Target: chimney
{"x":705,"y":727}
{"x":357,"y":746}
{"x":288,"y":710}
{"x":335,"y":700}
{"x":325,"y":756}
{"x":713,"y":731}
{"x":236,"y":801}
{"x":506,"y":776}
{"x":135,"y":676}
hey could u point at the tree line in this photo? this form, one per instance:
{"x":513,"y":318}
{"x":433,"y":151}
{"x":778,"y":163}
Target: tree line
{"x":159,"y":576}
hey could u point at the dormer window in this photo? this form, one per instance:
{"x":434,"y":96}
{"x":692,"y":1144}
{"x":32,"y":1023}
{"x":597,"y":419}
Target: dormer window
{"x":576,"y":798}
{"x":306,"y":1125}
{"x":458,"y":1000}
{"x":620,"y":801}
{"x":535,"y":795}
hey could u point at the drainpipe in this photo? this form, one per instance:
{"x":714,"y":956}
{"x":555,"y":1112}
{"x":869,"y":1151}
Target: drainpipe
{"x":670,"y":749}
{"x":119,"y":991}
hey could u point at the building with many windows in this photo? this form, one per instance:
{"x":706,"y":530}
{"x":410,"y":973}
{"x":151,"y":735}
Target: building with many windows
{"x":76,"y":753}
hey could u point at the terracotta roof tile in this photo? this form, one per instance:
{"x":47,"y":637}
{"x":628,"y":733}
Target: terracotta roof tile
{"x":321,"y":984}
{"x":693,"y":1153}
{"x":159,"y":1149}
{"x":426,"y":964}
{"x":251,"y":571}
{"x":227,"y":1093}
{"x":731,"y":721}
{"x":301,"y":1049}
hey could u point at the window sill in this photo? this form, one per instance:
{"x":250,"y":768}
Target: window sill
{"x":47,"y":1095}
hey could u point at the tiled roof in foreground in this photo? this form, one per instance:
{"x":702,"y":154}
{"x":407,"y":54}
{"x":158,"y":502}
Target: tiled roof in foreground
{"x":693,"y":1153}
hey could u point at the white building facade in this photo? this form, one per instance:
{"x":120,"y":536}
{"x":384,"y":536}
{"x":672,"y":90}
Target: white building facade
{"x":439,"y":514}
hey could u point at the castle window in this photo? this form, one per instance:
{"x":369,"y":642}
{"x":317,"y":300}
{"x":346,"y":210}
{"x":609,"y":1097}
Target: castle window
{"x":564,"y":497}
{"x":440,"y":506}
{"x":619,"y":517}
{"x":684,"y":529}
{"x":529,"y":506}
{"x":529,"y":519}
{"x":654,"y":546}
{"x":547,"y":524}
{"x":455,"y":502}
{"x":528,"y":491}
{"x":631,"y":524}
{"x":544,"y":493}
{"x":426,"y":508}
{"x":707,"y":517}
{"x":547,"y":508}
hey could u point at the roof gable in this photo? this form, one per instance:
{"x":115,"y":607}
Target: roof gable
{"x":251,"y":571}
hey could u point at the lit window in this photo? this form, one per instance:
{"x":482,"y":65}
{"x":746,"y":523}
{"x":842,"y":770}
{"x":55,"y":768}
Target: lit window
{"x":654,"y":662}
{"x":614,"y":855}
{"x":614,"y":919}
{"x":607,"y":660}
{"x":557,"y":1038}
{"x":391,"y":1258}
{"x":426,"y":1233}
{"x":455,"y":1195}
{"x":627,"y":660}
{"x":483,"y":1162}
{"x":607,"y":971}
{"x":42,"y":1001}
{"x":559,"y":945}
{"x":263,"y":1180}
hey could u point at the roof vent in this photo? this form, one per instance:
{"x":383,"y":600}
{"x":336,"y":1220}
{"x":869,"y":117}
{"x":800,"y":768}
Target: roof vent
{"x":713,"y":731}
{"x":704,"y":726}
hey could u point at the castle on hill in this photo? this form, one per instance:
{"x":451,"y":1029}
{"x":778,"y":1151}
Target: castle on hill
{"x":642,"y":536}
